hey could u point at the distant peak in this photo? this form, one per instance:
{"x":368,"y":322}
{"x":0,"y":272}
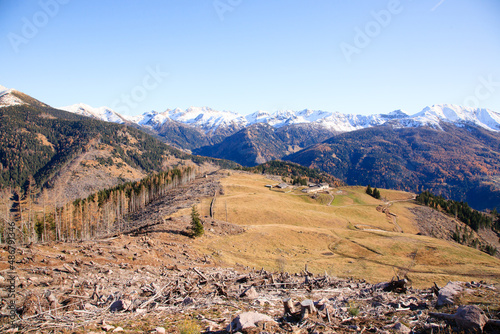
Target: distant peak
{"x":7,"y":99}
{"x":398,"y":112}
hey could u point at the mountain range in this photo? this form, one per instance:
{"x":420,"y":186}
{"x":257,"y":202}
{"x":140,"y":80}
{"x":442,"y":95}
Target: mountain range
{"x":211,"y":121}
{"x":449,"y":149}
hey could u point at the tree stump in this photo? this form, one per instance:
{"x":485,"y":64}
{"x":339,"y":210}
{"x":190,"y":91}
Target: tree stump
{"x":307,"y":309}
{"x":288,"y":306}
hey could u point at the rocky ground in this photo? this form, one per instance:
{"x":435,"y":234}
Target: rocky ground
{"x":140,"y":282}
{"x":151,"y":280}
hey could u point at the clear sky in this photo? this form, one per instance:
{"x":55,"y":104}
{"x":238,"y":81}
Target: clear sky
{"x":358,"y":56}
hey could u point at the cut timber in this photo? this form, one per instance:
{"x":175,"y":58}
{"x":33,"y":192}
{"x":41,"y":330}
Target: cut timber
{"x":307,"y":308}
{"x":288,"y":306}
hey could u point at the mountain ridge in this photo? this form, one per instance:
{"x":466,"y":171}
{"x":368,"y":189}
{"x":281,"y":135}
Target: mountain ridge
{"x":212,"y":121}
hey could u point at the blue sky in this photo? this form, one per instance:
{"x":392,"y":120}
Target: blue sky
{"x":359,"y":56}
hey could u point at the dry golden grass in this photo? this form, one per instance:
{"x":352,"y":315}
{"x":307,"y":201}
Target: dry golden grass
{"x":350,"y":238}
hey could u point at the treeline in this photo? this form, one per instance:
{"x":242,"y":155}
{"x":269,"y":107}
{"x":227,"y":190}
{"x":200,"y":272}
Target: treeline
{"x":465,"y":236}
{"x":461,"y":210}
{"x":99,"y":214}
{"x":39,"y":141}
{"x":299,"y":174}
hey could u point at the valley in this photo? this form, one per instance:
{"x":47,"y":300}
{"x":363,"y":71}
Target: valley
{"x":449,"y":149}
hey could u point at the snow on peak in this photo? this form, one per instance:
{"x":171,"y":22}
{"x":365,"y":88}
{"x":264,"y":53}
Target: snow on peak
{"x":210,"y":120}
{"x":102,"y":113}
{"x":396,"y":114}
{"x":451,"y":113}
{"x":205,"y":118}
{"x":7,"y":98}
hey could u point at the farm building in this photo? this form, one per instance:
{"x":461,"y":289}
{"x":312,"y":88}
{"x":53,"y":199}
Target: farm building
{"x":316,"y":188}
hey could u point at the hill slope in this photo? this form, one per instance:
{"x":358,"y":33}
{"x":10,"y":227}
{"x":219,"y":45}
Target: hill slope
{"x":462,"y":163}
{"x":75,"y":153}
{"x":352,"y":235}
{"x":261,"y":142}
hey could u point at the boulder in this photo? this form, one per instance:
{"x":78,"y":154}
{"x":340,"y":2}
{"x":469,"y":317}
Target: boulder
{"x":248,"y":320}
{"x":470,"y":319}
{"x":120,"y":305}
{"x":447,"y":294}
{"x":250,"y":293}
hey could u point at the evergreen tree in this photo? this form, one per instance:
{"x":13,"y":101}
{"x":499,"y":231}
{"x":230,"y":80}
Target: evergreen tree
{"x":196,"y":225}
{"x":369,"y":190}
{"x":376,"y":193}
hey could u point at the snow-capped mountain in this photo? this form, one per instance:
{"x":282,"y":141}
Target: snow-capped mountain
{"x":206,"y":119}
{"x":211,"y":121}
{"x":7,"y":98}
{"x":458,"y":115}
{"x":102,"y":113}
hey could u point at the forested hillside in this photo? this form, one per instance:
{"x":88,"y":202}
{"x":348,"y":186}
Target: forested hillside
{"x":39,"y":141}
{"x":461,"y":163}
{"x":297,"y":173}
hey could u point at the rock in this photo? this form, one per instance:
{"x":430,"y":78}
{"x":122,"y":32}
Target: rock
{"x":160,"y":330}
{"x":248,"y":320}
{"x":120,"y":305}
{"x":51,"y":298}
{"x":401,"y":328}
{"x":381,"y":286}
{"x":470,"y":319}
{"x":250,"y":293}
{"x":107,"y":328}
{"x":188,"y":301}
{"x":117,"y":329}
{"x":89,"y":307}
{"x":447,"y":294}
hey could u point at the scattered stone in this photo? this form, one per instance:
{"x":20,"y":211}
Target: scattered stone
{"x":470,"y":319}
{"x":107,"y":328}
{"x":248,"y":320}
{"x":119,"y":305}
{"x":89,"y":307}
{"x":188,"y":301}
{"x":401,"y":328}
{"x":160,"y":330}
{"x":117,"y":329}
{"x":447,"y":294}
{"x":250,"y":293}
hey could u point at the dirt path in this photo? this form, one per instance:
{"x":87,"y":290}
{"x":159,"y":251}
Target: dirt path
{"x":331,"y":201}
{"x":394,"y":219}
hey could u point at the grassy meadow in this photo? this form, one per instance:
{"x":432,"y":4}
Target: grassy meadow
{"x":346,"y":237}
